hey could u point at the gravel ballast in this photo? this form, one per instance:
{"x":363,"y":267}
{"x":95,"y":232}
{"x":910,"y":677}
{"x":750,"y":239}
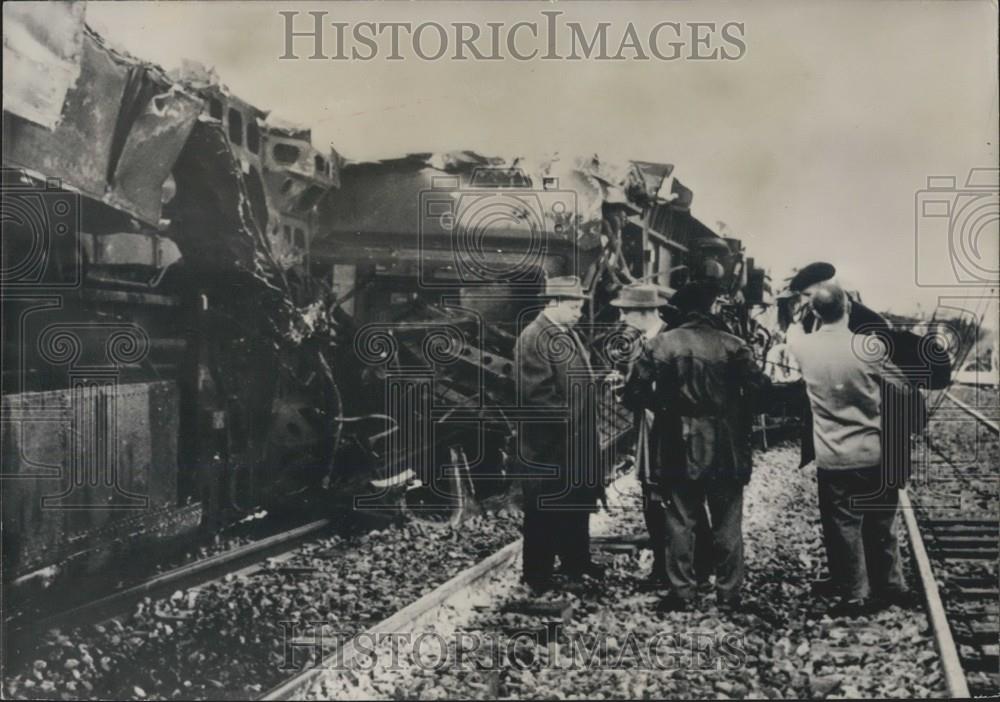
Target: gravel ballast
{"x":615,"y":645}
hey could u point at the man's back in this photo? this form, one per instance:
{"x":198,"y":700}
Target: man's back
{"x":842,"y":375}
{"x":704,"y":380}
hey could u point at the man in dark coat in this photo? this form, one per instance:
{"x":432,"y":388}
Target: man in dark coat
{"x":707,"y":384}
{"x":558,"y":452}
{"x":640,"y":324}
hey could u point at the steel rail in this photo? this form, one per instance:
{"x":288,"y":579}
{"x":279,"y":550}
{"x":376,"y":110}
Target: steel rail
{"x":185,"y":576}
{"x":402,"y":621}
{"x":405,"y":619}
{"x":972,"y":412}
{"x":951,"y":666}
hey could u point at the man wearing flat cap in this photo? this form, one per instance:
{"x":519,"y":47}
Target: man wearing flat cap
{"x":558,"y":453}
{"x":706,"y":383}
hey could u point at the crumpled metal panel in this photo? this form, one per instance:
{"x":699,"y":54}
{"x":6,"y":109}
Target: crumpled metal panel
{"x":291,"y":130}
{"x":656,"y":182}
{"x":78,"y":150}
{"x":155,"y":139}
{"x":59,"y":498}
{"x":122,"y":127}
{"x":211,"y":212}
{"x":42,"y":43}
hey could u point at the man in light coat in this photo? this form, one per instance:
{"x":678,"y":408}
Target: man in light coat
{"x":847,"y":376}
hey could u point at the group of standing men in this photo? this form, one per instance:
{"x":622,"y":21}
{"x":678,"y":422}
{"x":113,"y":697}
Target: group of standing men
{"x":694,"y":389}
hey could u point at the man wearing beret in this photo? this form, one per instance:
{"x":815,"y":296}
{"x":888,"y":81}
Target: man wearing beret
{"x":845,"y":377}
{"x":904,"y":409}
{"x":558,"y":452}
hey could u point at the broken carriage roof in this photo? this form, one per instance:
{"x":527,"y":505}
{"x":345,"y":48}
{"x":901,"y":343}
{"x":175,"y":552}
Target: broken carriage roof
{"x":201,"y":78}
{"x":384,"y":196}
{"x":122,"y":153}
{"x":110,"y":127}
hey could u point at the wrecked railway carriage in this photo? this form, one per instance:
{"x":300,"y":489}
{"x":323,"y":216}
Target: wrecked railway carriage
{"x":437,"y":261}
{"x":204,"y":314}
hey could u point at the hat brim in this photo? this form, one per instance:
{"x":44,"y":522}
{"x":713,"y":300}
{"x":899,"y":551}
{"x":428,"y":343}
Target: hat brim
{"x":639,"y":305}
{"x":632,"y":209}
{"x":564,"y":296}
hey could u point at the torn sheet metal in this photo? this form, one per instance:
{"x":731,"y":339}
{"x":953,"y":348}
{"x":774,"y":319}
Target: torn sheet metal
{"x":656,"y":183}
{"x":156,"y":126}
{"x":211,"y":215}
{"x":282,"y":127}
{"x":123,"y":125}
{"x":213,"y":222}
{"x":78,"y":150}
{"x":42,"y":46}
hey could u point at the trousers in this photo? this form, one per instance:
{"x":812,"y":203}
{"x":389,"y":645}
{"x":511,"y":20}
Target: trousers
{"x":684,"y":507}
{"x":655,"y":517}
{"x":551,"y":531}
{"x":858,"y":515}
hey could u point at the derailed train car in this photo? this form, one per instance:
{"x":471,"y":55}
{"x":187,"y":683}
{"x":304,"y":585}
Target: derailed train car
{"x":437,"y":261}
{"x":163,"y":368}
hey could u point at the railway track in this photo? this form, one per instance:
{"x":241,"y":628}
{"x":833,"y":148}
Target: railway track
{"x":216,"y":629}
{"x":101,"y":609}
{"x":410,"y":617}
{"x":953,"y":522}
{"x":400,"y":623}
{"x":482,"y":621}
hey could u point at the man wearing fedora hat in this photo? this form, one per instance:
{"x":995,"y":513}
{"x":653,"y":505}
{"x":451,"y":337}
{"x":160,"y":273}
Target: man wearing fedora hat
{"x":705,"y":380}
{"x":640,"y":304}
{"x":557,"y":452}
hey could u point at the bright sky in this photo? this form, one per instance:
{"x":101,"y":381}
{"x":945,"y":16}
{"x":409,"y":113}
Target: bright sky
{"x":810,"y":147}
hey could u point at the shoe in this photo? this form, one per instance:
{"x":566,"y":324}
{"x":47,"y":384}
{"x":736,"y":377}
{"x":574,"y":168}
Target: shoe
{"x":591,"y":570}
{"x":904,"y":599}
{"x":704,"y":586}
{"x":655,"y":581}
{"x":730,"y":604}
{"x":824,"y":587}
{"x":673,"y":603}
{"x":851,"y":608}
{"x":539,"y":587}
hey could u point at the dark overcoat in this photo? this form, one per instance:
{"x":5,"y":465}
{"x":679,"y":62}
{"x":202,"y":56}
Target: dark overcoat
{"x":557,"y":387}
{"x":707,"y":388}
